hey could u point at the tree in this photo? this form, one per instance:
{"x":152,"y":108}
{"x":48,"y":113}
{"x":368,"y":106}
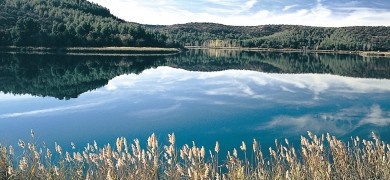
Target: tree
{"x":26,"y":31}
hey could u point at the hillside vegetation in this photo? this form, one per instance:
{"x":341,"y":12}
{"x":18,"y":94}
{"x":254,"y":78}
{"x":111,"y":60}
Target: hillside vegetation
{"x":360,"y":38}
{"x":80,"y":23}
{"x":60,"y":23}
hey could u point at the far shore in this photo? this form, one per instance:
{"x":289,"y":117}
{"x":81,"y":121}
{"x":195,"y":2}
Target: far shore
{"x":99,"y":51}
{"x":158,"y":51}
{"x":288,"y":50}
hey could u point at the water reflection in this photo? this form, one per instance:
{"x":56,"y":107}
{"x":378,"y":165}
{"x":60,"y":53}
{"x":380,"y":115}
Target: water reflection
{"x":319,"y":103}
{"x":295,"y":63}
{"x":341,"y":122}
{"x":137,"y":96}
{"x":45,"y":112}
{"x":66,"y":77}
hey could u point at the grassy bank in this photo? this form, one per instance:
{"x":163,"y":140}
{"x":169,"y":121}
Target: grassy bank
{"x":107,"y":51}
{"x":318,"y":157}
{"x":375,"y":54}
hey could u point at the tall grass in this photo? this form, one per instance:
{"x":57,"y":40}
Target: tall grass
{"x":318,"y":157}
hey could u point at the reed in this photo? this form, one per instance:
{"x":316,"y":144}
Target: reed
{"x":318,"y":157}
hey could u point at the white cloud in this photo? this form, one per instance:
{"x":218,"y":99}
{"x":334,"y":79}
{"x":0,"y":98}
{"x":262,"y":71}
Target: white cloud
{"x":376,"y":117}
{"x":49,"y":110}
{"x":286,"y":8}
{"x":155,"y":111}
{"x":287,"y":89}
{"x":301,"y":124}
{"x":236,"y":12}
{"x":326,"y":83}
{"x":342,"y":122}
{"x":237,"y":90}
{"x":123,"y":81}
{"x":248,"y":5}
{"x":244,"y":83}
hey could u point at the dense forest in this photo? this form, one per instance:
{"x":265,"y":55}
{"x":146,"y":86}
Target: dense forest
{"x":360,"y":38}
{"x":80,"y":23}
{"x":64,"y":23}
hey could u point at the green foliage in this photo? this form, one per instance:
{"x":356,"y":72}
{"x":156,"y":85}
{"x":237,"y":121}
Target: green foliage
{"x":26,"y":31}
{"x":62,"y":23}
{"x":280,"y":36}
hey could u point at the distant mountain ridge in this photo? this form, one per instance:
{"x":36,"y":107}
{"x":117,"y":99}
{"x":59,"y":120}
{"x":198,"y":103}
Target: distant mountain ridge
{"x":358,"y":38}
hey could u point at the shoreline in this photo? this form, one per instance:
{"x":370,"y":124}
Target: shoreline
{"x":100,"y":51}
{"x":157,"y":51}
{"x":361,"y":53}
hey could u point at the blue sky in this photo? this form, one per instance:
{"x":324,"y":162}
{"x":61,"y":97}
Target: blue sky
{"x":253,"y":12}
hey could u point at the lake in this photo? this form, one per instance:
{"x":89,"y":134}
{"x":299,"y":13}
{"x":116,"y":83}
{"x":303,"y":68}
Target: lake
{"x":200,"y":95}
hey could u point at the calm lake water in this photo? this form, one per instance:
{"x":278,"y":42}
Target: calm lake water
{"x":201,"y":96}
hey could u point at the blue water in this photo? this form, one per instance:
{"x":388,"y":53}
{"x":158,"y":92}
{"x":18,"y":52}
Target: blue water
{"x":228,"y":106}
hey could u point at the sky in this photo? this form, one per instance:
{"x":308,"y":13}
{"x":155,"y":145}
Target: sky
{"x":329,"y":13}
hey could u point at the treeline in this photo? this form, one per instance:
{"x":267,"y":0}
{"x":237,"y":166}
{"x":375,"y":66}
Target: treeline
{"x":316,"y":38}
{"x":65,"y":23}
{"x":206,"y":34}
{"x":359,"y":38}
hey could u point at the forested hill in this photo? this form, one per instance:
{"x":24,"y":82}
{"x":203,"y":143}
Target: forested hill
{"x":59,"y":23}
{"x":80,"y":23}
{"x":280,"y":36}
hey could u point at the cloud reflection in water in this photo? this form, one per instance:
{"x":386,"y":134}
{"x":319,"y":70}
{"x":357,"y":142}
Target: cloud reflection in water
{"x":233,"y":103}
{"x":47,"y":111}
{"x":342,"y":122}
{"x":243,"y":83}
{"x":243,"y":89}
